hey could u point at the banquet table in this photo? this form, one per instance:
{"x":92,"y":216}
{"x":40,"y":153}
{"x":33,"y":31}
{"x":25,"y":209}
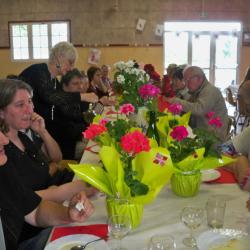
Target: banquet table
{"x":163,"y":215}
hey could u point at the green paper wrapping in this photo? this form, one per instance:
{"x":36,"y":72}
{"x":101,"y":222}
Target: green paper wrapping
{"x":132,"y":210}
{"x":154,"y":168}
{"x":186,"y":184}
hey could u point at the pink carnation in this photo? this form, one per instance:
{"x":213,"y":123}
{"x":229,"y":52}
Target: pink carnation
{"x":135,"y":142}
{"x":210,"y":114}
{"x":148,"y":90}
{"x":216,"y":122}
{"x":127,"y":109}
{"x":94,"y":130}
{"x":179,"y":133}
{"x":175,"y":108}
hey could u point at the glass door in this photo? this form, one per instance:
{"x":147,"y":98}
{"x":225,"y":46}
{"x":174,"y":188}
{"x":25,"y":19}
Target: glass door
{"x":226,"y":61}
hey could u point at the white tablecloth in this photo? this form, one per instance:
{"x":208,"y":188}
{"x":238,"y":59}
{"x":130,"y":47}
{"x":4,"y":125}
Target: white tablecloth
{"x":163,"y":215}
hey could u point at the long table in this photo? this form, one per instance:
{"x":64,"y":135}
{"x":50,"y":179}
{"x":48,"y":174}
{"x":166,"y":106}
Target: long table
{"x":163,"y":215}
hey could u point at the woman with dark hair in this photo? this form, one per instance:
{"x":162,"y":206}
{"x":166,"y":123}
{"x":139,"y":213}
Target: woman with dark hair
{"x":19,"y":203}
{"x":96,"y":86}
{"x":69,"y":119}
{"x":179,"y":86}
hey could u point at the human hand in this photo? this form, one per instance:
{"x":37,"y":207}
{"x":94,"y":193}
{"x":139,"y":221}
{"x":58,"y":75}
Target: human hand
{"x":106,"y":101}
{"x":37,"y":123}
{"x":77,"y":215}
{"x":89,"y":97}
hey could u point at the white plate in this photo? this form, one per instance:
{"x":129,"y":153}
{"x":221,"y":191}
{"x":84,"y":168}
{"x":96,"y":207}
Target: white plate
{"x":210,"y":175}
{"x":219,"y":237}
{"x":66,"y":242}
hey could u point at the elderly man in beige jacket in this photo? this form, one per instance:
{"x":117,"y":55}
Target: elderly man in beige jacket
{"x":205,"y":97}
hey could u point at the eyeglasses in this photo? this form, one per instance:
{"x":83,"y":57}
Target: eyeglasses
{"x":190,"y":78}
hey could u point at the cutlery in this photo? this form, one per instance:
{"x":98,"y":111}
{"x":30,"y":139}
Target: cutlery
{"x":83,"y":246}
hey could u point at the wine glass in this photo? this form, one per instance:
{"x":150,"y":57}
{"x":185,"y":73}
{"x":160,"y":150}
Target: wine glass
{"x":118,"y":227}
{"x":161,"y":242}
{"x":192,"y":218}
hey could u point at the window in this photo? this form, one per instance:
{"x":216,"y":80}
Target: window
{"x":34,"y":40}
{"x":213,"y":46}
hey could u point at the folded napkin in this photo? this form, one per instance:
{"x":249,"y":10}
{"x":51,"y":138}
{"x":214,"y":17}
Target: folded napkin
{"x":99,"y":230}
{"x":90,"y":149}
{"x":226,"y":177}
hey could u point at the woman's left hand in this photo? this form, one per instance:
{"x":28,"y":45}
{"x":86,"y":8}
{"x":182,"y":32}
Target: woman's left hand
{"x":37,"y":123}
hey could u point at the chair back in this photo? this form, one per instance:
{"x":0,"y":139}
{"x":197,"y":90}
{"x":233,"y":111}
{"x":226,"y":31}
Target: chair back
{"x":229,"y":97}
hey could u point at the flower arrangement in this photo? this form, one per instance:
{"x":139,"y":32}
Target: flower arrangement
{"x":127,"y":81}
{"x":190,"y":150}
{"x":124,"y":151}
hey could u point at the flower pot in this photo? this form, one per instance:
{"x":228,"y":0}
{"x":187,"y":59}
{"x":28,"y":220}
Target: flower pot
{"x":124,"y":207}
{"x":186,"y":184}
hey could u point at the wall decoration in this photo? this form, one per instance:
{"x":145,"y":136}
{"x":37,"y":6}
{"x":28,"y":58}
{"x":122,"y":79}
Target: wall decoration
{"x":94,"y":56}
{"x":159,"y":29}
{"x":246,"y":39}
{"x":140,"y":24}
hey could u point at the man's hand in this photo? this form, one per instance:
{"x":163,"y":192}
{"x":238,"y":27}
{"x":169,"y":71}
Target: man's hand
{"x":89,"y":97}
{"x":76,"y":215}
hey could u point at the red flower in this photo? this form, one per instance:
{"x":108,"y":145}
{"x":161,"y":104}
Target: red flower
{"x":135,"y":142}
{"x":216,"y":122}
{"x":210,"y":114}
{"x":175,"y":108}
{"x":179,"y":133}
{"x":94,"y":130}
{"x":127,"y":109}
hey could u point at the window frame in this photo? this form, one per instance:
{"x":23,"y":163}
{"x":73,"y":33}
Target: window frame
{"x":30,"y":36}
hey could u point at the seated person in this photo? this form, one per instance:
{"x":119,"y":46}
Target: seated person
{"x":155,"y":78}
{"x":97,"y":86}
{"x":167,"y":89}
{"x":178,"y":84}
{"x":105,"y":77}
{"x":69,"y":122}
{"x":19,"y":203}
{"x":205,"y":97}
{"x":239,"y":147}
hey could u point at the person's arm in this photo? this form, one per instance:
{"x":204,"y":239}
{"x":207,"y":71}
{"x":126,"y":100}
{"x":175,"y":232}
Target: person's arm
{"x":63,"y":192}
{"x":202,"y":105}
{"x":51,"y":214}
{"x":50,"y":146}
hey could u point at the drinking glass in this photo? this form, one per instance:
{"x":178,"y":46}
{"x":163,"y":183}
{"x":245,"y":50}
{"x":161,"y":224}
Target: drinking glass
{"x":215,"y":207}
{"x":118,"y":227}
{"x":192,"y":218}
{"x":161,"y":242}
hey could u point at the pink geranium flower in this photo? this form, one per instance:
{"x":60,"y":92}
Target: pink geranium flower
{"x":175,"y":108}
{"x":135,"y":142}
{"x":94,"y":130}
{"x":147,"y":91}
{"x":215,"y":121}
{"x":127,"y":109}
{"x":210,"y":114}
{"x":179,"y":133}
{"x":103,"y":121}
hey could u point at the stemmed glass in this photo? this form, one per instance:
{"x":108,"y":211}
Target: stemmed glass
{"x":192,"y":218}
{"x":118,"y":227}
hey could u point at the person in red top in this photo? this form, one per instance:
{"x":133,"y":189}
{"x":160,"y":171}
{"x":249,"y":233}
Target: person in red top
{"x":155,"y":77}
{"x":167,"y":89}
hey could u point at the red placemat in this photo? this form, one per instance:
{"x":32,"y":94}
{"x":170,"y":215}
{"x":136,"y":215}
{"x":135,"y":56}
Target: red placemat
{"x":226,"y":177}
{"x":99,"y":230}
